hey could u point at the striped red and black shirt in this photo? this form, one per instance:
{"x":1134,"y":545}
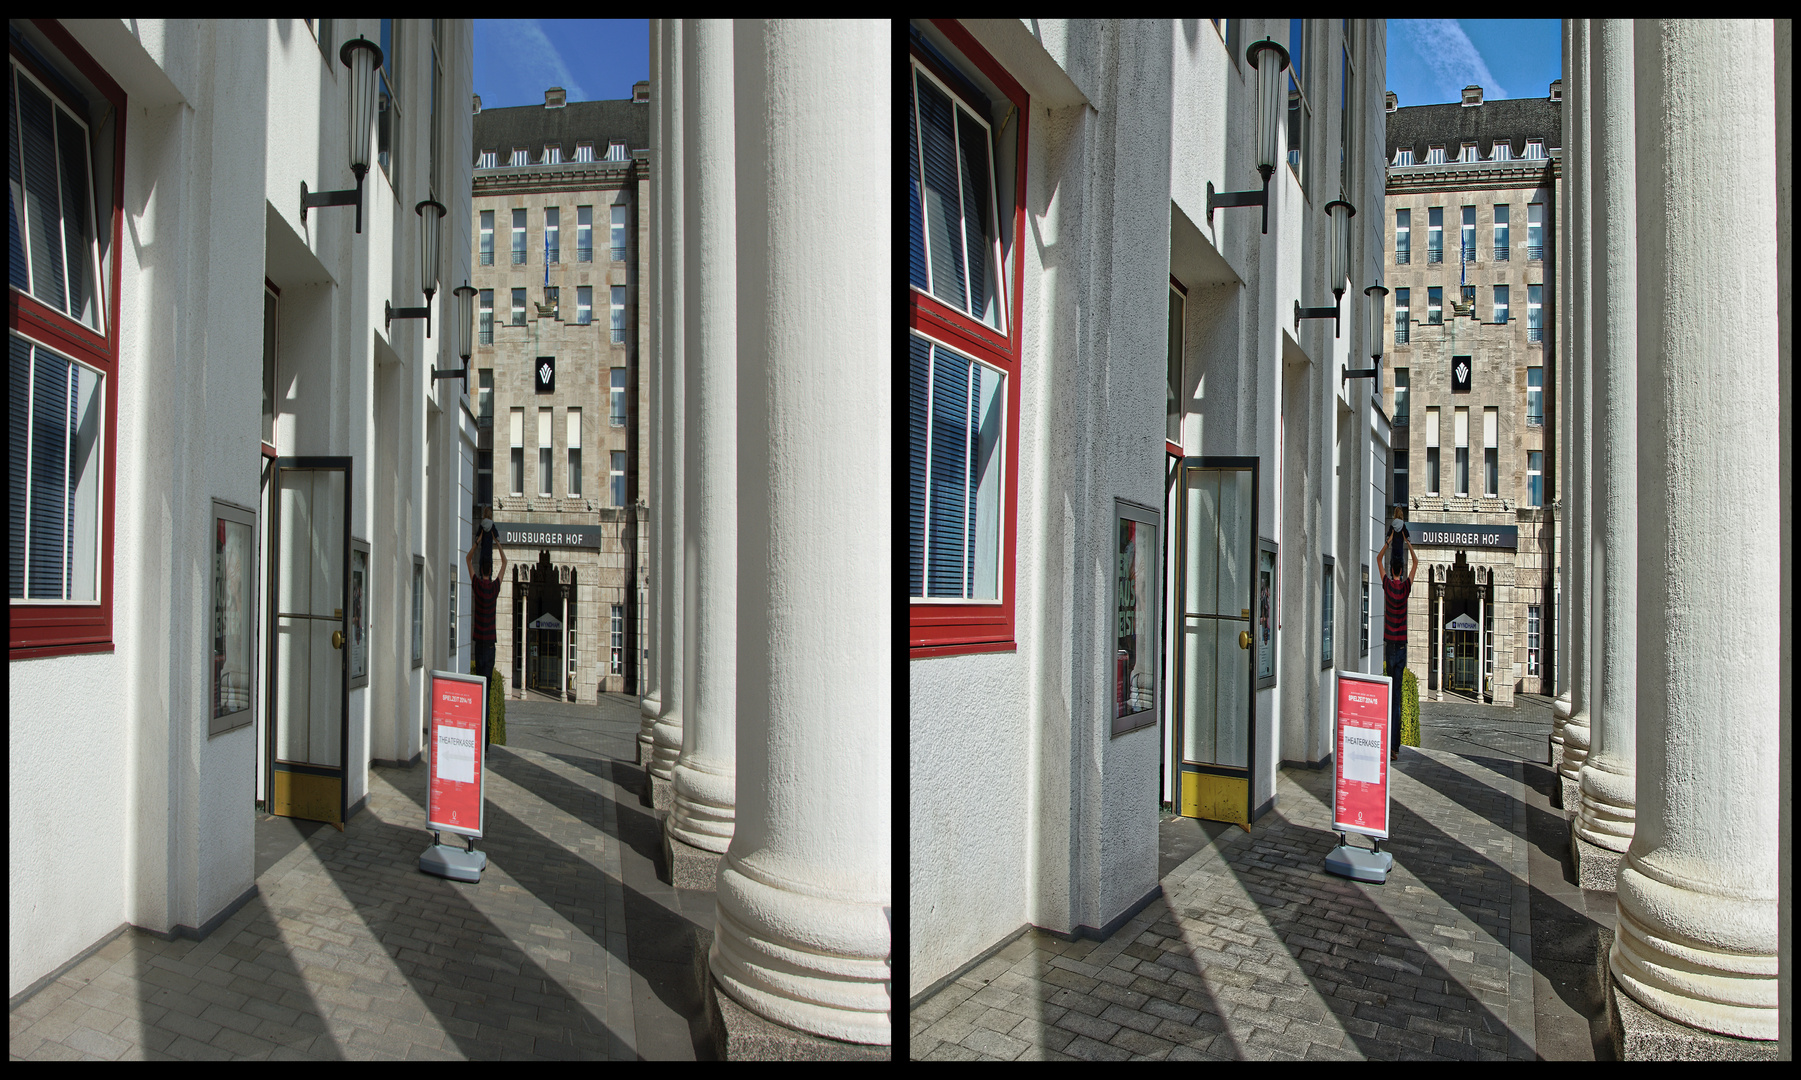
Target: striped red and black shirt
{"x":487,"y":590}
{"x":1396,"y":591}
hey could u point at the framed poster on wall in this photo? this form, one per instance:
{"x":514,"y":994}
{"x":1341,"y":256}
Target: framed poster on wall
{"x":359,"y":613}
{"x":418,"y":610}
{"x":232,"y":606}
{"x":1137,"y":558}
{"x":1266,"y":613}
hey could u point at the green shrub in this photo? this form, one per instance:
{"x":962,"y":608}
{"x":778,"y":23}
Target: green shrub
{"x":1410,"y":708}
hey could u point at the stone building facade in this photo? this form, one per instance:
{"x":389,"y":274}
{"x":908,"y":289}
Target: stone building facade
{"x":559,"y":233}
{"x":1472,"y":195}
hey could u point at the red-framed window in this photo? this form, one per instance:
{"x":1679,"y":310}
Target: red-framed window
{"x":66,"y":118}
{"x":967,"y":182}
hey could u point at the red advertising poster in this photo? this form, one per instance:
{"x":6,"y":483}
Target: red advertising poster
{"x":455,"y":801}
{"x":1360,"y":787}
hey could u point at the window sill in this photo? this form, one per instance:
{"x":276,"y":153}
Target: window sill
{"x":924,"y":652}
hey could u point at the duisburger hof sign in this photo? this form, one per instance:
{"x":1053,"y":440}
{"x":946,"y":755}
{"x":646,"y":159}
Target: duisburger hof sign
{"x":1455,"y":534}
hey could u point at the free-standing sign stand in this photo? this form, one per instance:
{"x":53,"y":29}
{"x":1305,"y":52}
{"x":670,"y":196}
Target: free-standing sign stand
{"x":454,"y":804}
{"x":1360,"y":780}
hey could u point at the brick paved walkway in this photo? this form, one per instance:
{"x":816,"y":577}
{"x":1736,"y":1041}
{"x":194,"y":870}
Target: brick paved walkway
{"x":350,"y":952}
{"x":1254,"y":951}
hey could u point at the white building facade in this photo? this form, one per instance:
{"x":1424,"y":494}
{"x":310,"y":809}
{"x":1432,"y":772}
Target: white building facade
{"x":766,"y":721}
{"x":213,"y":612}
{"x":1113,"y":606}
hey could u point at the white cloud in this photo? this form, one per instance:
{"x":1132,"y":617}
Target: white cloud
{"x":1451,"y":59}
{"x":533,"y":53}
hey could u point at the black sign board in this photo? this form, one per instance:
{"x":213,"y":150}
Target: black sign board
{"x":1454,"y":534}
{"x":545,"y":374}
{"x":1460,"y":374}
{"x":519,"y":534}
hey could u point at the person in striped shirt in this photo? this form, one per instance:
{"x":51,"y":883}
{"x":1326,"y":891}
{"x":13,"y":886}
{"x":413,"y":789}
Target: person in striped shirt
{"x":485,"y":587}
{"x":1395,"y":589}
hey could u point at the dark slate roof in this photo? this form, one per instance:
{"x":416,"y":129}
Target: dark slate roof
{"x":534,"y":126}
{"x":1512,"y":120}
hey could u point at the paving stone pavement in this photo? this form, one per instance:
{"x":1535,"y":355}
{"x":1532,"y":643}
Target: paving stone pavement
{"x":350,"y":952}
{"x":1254,"y":951}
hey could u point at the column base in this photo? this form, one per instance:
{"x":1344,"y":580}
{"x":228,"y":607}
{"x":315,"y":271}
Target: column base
{"x":741,"y":1035}
{"x":1597,"y":869}
{"x":657,"y":793}
{"x":689,"y":867}
{"x":1641,"y":1035}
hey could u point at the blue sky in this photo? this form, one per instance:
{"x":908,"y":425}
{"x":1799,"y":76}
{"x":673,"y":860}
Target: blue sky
{"x":1430,"y":61}
{"x":516,"y":60}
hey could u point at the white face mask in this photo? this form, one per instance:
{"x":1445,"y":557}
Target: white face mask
{"x":1399,"y":524}
{"x":487,"y":523}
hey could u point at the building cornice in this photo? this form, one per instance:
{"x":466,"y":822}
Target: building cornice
{"x":565,"y":176}
{"x":1475,"y":175}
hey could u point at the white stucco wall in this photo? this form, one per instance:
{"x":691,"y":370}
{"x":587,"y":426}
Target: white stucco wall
{"x":125,"y":808}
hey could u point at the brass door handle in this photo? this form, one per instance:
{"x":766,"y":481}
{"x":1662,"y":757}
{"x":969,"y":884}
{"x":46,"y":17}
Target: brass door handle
{"x":1244,"y":639}
{"x":337,"y":639}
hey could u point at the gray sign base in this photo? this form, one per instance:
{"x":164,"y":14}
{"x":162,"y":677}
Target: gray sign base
{"x":1358,"y":863}
{"x":454,"y":863}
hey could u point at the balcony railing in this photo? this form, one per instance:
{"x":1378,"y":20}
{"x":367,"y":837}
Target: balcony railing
{"x":487,"y":335}
{"x":616,"y":419}
{"x":618,"y":252}
{"x":487,"y":258}
{"x":584,"y":253}
{"x":1434,"y":255}
{"x":1535,"y":333}
{"x":618,"y":335}
{"x":1500,"y":253}
{"x":1469,"y":254}
{"x":1402,"y":256}
{"x":1401,"y":334}
{"x":518,"y":258}
{"x":1535,"y":252}
{"x":553,"y":254}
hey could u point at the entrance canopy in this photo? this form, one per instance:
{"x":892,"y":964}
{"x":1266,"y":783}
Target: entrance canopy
{"x":1461,"y":622}
{"x":546,"y":621}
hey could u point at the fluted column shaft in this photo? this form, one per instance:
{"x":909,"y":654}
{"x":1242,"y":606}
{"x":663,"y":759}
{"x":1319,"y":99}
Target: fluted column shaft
{"x":802,"y":936}
{"x":651,"y":370}
{"x":1577,"y":499}
{"x":1696,"y":937}
{"x":1606,"y":813}
{"x":702,"y":814}
{"x":666,"y":734}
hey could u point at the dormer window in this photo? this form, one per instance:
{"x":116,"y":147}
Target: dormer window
{"x":1535,"y":149}
{"x":553,"y":155}
{"x":1503,"y":151}
{"x":584,"y":151}
{"x":616,"y":151}
{"x":1404,"y":156}
{"x":487,"y":161}
{"x":1435,"y":155}
{"x":520,"y":156}
{"x":1469,"y":152}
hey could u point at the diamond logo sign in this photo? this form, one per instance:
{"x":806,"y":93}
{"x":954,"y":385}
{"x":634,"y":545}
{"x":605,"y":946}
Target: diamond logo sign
{"x":544,"y":373}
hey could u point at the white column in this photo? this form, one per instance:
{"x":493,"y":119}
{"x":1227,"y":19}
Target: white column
{"x":1605,"y":816}
{"x":666,"y":734}
{"x":650,"y":367}
{"x":802,"y":936}
{"x":703,"y":776}
{"x":1560,"y":713}
{"x":1697,"y":933}
{"x":1481,"y":641}
{"x":1576,"y":499}
{"x":563,"y":654}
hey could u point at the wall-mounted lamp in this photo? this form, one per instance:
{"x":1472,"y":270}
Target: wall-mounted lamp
{"x":1376,"y":297}
{"x":465,"y":330}
{"x":429,"y":228}
{"x":1270,"y":60}
{"x":1341,"y":213}
{"x":362,"y":57}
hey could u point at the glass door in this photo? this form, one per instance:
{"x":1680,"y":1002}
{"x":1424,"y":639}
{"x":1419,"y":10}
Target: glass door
{"x":1215,"y":664}
{"x":309,"y":615}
